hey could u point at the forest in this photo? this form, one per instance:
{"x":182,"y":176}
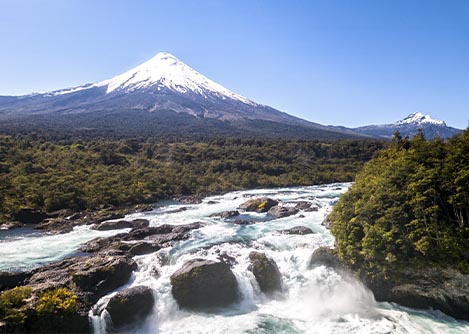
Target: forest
{"x":51,"y":174}
{"x":408,"y":208}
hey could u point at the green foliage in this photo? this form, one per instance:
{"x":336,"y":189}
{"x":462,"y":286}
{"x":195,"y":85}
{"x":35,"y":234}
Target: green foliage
{"x":409,"y":204}
{"x":84,"y":174}
{"x":58,"y":303}
{"x":13,"y":304}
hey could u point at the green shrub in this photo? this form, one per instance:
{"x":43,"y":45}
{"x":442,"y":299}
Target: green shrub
{"x":13,"y":304}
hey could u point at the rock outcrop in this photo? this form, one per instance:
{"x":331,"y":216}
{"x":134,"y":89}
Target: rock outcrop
{"x":438,"y":288}
{"x":203,"y":284}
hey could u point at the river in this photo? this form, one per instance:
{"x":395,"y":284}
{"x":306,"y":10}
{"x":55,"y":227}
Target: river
{"x":314,"y":299}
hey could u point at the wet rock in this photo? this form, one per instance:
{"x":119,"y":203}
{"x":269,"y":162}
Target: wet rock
{"x":312,"y":208}
{"x":300,"y":230}
{"x":243,"y":222}
{"x":57,"y":225}
{"x":262,"y":204}
{"x":10,"y":280}
{"x":266,"y":272}
{"x":282,"y":211}
{"x":212,"y":202}
{"x":203,"y":284}
{"x":89,"y":277}
{"x":99,"y":217}
{"x":437,"y":288}
{"x":226,"y":214}
{"x":120,"y":224}
{"x":326,"y":256}
{"x":326,"y":223}
{"x":29,"y":216}
{"x":10,"y":226}
{"x":130,"y":305}
{"x":303,"y":205}
{"x":142,"y":248}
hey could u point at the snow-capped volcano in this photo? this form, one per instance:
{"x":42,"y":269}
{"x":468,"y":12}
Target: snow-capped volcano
{"x":409,"y":126}
{"x":165,"y":70}
{"x":418,"y":118}
{"x":161,"y":94}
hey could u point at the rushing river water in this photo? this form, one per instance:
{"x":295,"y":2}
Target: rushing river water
{"x":315,"y":300}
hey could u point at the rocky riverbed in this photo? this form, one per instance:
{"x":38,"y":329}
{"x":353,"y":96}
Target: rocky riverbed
{"x":241,"y":263}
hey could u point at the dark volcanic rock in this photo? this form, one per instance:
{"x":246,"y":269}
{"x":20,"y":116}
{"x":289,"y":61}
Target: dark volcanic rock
{"x":89,"y":277}
{"x":130,"y":305}
{"x":226,"y":214}
{"x":113,"y":225}
{"x":10,"y":280}
{"x":243,"y":222}
{"x":282,"y":211}
{"x":262,"y":204}
{"x":119,"y":224}
{"x":325,"y":256}
{"x":441,"y":289}
{"x":99,"y":217}
{"x":303,"y":205}
{"x":300,"y":230}
{"x":141,"y":248}
{"x":203,"y":284}
{"x":266,"y":272}
{"x":57,"y":225}
{"x":29,"y":216}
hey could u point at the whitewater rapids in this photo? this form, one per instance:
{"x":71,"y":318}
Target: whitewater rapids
{"x":315,"y":299}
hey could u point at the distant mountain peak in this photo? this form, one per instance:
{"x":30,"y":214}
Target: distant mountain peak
{"x":409,"y":127}
{"x":417,"y":118}
{"x":166,"y":71}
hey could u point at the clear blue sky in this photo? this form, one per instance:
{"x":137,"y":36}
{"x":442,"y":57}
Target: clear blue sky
{"x":333,"y":62}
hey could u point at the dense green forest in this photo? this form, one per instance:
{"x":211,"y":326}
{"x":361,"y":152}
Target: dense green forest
{"x":83,"y":174}
{"x":409,"y":207}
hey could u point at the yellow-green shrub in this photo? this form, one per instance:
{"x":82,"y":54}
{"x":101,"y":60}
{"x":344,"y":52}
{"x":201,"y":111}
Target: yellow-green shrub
{"x":13,"y":304}
{"x":56,"y":302}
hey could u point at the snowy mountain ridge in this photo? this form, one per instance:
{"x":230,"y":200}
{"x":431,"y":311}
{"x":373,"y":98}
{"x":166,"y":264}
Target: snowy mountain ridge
{"x":409,"y":126}
{"x":417,"y":118}
{"x":163,"y":70}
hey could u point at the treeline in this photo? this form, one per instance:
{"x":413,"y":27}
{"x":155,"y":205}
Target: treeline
{"x":84,"y":174}
{"x":409,"y":207}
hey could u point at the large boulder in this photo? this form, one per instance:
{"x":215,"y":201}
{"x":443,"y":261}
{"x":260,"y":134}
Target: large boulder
{"x":300,"y":230}
{"x":262,"y":204}
{"x":29,"y":216}
{"x":266,"y":272}
{"x":204,"y":284}
{"x":130,"y":305}
{"x":282,"y":211}
{"x":325,"y":256}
